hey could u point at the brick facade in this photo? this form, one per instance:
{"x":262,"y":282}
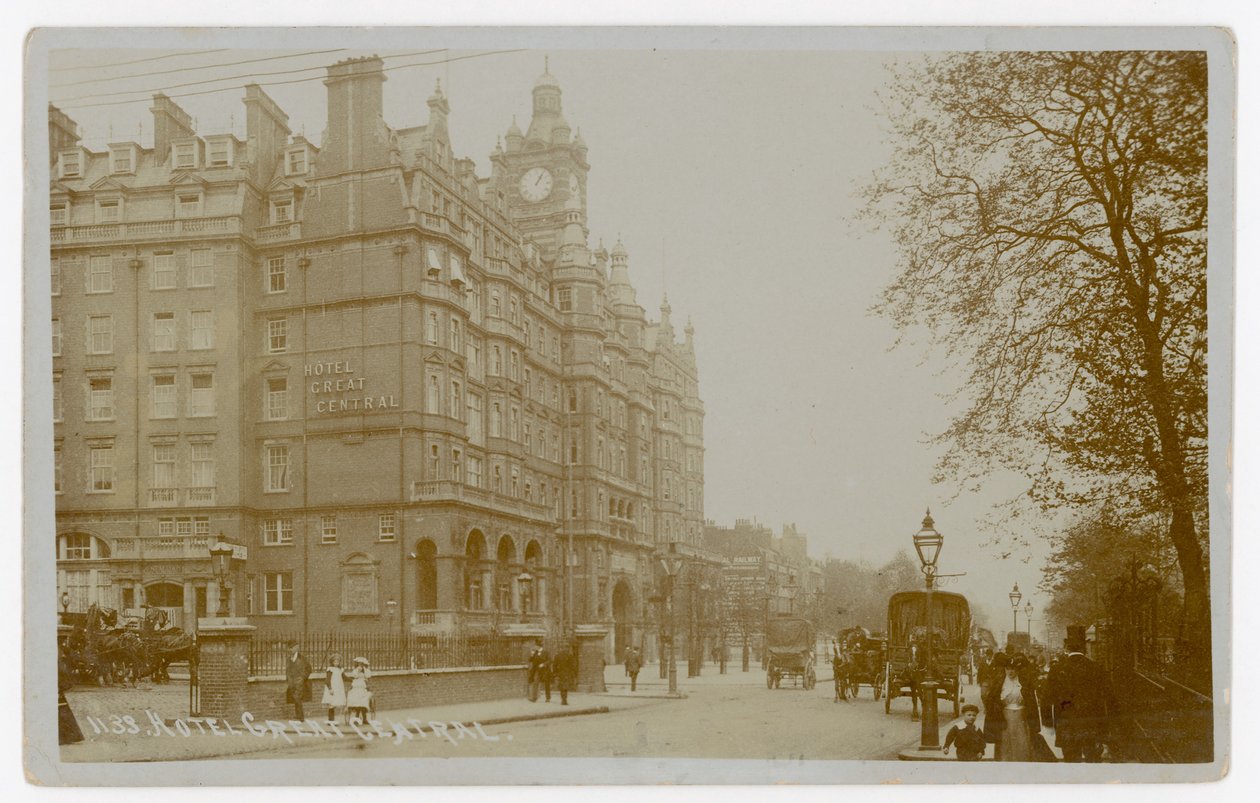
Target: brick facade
{"x":408,"y":391}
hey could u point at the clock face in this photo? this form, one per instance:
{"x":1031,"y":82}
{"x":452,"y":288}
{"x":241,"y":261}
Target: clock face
{"x":536,"y":184}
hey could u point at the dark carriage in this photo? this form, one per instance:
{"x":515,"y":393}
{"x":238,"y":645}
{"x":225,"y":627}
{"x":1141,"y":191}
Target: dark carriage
{"x":906,"y":662}
{"x":861,"y":661}
{"x":790,"y":645}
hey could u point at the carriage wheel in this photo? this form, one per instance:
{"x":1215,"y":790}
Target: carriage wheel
{"x":876,"y":685}
{"x":888,"y":690}
{"x":957,"y":697}
{"x":769,"y":679}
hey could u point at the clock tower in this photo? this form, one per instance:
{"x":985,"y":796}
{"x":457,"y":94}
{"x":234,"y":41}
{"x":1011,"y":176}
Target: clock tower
{"x":542,"y":173}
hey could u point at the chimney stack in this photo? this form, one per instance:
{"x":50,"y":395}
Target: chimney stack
{"x":62,"y":132}
{"x":356,"y":137}
{"x":169,"y":122}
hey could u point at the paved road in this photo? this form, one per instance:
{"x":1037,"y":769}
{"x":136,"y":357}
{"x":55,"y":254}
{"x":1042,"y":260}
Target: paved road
{"x":731,"y":716}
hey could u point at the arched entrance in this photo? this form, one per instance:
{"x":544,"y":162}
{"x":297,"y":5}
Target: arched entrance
{"x":623,"y":619}
{"x":426,"y":575}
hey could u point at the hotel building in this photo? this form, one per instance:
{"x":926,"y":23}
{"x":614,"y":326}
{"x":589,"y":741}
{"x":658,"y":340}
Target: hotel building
{"x":415,"y":398}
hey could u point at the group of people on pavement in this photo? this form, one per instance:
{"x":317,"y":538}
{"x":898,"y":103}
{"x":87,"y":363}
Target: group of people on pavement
{"x":544,"y":669}
{"x":354,"y":703}
{"x":1077,"y":696}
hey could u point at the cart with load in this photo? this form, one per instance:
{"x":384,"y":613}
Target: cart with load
{"x":790,"y":647}
{"x":861,"y":661}
{"x":906,"y":663}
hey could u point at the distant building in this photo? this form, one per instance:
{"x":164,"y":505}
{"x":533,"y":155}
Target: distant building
{"x":404,"y":390}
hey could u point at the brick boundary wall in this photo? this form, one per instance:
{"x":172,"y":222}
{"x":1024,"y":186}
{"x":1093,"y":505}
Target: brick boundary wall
{"x":397,"y":689}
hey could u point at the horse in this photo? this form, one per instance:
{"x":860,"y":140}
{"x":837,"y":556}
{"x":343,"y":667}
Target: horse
{"x":110,"y":653}
{"x":163,"y":645}
{"x":842,"y":673}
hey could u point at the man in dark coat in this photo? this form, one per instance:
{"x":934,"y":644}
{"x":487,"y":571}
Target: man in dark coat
{"x":297,"y":680}
{"x":539,"y":672}
{"x":1079,"y":695}
{"x":564,"y":669}
{"x":633,"y":664}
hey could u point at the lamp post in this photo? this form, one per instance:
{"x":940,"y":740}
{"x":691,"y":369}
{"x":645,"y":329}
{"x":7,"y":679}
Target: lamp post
{"x":1028,"y":609}
{"x":927,"y":543}
{"x":65,"y":602}
{"x":526,"y":580}
{"x":672,"y":564}
{"x":700,"y":626}
{"x":1015,"y":597}
{"x":221,"y":562}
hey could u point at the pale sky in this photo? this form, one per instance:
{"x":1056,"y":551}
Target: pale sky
{"x":732,"y":179}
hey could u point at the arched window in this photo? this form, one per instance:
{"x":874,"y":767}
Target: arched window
{"x":505,"y":556}
{"x":85,"y":583}
{"x":474,"y":581}
{"x":426,"y":575}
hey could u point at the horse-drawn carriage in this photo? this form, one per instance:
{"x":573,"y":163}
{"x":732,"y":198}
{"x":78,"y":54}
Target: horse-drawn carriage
{"x":906,"y":664}
{"x":858,"y":660}
{"x":790,"y":646}
{"x":101,"y":648}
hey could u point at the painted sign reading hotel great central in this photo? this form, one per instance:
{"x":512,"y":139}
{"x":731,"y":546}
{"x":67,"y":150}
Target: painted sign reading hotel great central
{"x":342,"y":383}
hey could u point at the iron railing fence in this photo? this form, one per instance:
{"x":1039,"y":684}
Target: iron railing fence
{"x":269,"y":655}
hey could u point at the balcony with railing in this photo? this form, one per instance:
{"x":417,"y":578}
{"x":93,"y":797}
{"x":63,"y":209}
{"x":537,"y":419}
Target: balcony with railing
{"x":163,"y":497}
{"x":200,"y":495}
{"x":139,"y":231}
{"x":163,"y":547}
{"x":280,"y":232}
{"x":452,"y":491}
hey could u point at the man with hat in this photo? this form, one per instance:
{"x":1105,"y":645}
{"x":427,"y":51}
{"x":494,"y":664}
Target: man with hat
{"x":297,"y":680}
{"x":1079,"y":697}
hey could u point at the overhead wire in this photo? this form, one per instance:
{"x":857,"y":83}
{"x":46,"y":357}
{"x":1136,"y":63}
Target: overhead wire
{"x":176,"y":54}
{"x":197,"y":67}
{"x":294,"y":81}
{"x":226,"y":78}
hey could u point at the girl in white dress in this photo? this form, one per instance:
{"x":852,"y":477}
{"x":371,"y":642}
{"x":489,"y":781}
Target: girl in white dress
{"x":335,"y":687}
{"x":359,"y":700}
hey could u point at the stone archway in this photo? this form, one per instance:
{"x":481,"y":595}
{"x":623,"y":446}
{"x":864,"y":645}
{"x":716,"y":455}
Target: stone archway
{"x":623,"y":609}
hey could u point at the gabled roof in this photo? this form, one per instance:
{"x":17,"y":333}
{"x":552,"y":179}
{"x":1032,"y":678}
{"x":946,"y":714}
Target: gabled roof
{"x":109,"y":182}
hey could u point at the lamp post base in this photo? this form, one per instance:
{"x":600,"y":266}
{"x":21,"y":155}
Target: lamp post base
{"x":930,"y":732}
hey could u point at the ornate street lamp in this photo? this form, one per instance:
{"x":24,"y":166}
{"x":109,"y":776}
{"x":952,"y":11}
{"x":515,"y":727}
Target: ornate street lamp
{"x":1028,"y":609}
{"x":221,"y":563}
{"x":1015,"y":597}
{"x":65,"y":602}
{"x":672,"y":563}
{"x":928,"y":542}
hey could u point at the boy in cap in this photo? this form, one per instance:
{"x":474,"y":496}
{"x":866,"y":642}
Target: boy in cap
{"x":967,"y":736}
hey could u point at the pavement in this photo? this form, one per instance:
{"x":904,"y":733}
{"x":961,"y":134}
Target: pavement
{"x":915,"y":752}
{"x":150,"y":721}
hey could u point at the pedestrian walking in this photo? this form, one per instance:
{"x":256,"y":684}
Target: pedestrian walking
{"x":564,"y":670}
{"x":633,"y":664}
{"x":334,"y":687}
{"x":359,"y":699}
{"x":1080,"y":700}
{"x":967,"y":736}
{"x":539,"y":672}
{"x":297,"y":680}
{"x":1011,"y":718}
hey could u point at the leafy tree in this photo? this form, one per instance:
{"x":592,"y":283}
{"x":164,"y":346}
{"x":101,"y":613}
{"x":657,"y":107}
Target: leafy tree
{"x":1050,"y":211}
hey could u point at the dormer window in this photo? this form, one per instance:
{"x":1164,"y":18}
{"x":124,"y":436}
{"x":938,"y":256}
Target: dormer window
{"x":108,"y":210}
{"x":282,"y":211}
{"x":295,"y":162}
{"x":71,"y":164}
{"x":219,"y":152}
{"x":185,"y":155}
{"x":122,"y":159}
{"x":188,"y":204}
{"x":58,"y":213}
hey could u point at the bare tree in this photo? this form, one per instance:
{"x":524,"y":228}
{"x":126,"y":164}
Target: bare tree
{"x":1050,"y":210}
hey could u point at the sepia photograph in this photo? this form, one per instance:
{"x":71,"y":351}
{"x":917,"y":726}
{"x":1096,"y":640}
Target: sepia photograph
{"x":628,"y":406}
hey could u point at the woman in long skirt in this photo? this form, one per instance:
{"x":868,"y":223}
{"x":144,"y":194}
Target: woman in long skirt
{"x":1011,"y":718}
{"x":334,"y":687}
